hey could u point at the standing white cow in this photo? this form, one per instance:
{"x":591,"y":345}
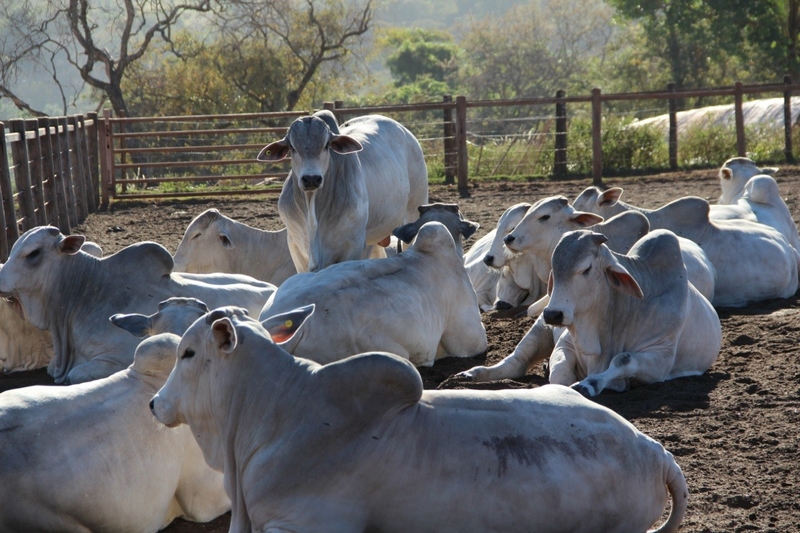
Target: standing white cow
{"x":71,"y":294}
{"x":734,"y":175}
{"x":418,"y":304}
{"x":358,"y":445}
{"x":346,"y":191}
{"x":215,"y":243}
{"x":90,"y":457}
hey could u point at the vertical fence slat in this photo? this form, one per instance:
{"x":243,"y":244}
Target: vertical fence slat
{"x":741,"y":145}
{"x":597,"y":138}
{"x":560,"y":157}
{"x":86,"y":164}
{"x":93,"y":151}
{"x":462,"y":167}
{"x":36,"y":171}
{"x":78,"y":173}
{"x":59,"y":186}
{"x":449,"y":144}
{"x":10,"y":233}
{"x":66,"y":171}
{"x":107,"y":158}
{"x":52,"y":211}
{"x":787,"y":120}
{"x":673,"y":128}
{"x":22,"y":175}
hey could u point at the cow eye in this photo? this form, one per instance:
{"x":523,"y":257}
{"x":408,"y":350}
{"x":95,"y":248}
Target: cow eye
{"x":187,"y":353}
{"x":34,"y":254}
{"x":195,"y":236}
{"x":543,"y":218}
{"x":586,"y":272}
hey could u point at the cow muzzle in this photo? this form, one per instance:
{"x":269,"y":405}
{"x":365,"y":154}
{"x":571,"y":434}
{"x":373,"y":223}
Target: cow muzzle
{"x":553,"y":317}
{"x":310,"y":182}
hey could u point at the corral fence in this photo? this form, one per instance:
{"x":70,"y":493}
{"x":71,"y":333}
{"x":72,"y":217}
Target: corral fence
{"x":63,"y":168}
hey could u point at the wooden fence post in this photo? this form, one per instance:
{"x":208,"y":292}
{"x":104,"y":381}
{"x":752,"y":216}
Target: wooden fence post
{"x":449,"y":142}
{"x":59,"y":184}
{"x":36,"y":170}
{"x":673,"y":128}
{"x":462,"y":164}
{"x":597,"y":138}
{"x":88,"y":148}
{"x":560,"y":163}
{"x":787,"y":120}
{"x":79,"y":168}
{"x":11,"y":233}
{"x":52,"y":208}
{"x":741,"y":145}
{"x":22,"y":175}
{"x":66,"y":168}
{"x":93,"y":149}
{"x":106,"y":132}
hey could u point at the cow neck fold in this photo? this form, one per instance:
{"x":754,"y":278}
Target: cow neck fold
{"x":79,"y":275}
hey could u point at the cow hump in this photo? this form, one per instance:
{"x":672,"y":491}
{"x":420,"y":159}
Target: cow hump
{"x":144,"y":260}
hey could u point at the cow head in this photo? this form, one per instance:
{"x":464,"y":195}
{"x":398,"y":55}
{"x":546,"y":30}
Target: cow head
{"x":582,"y":267}
{"x":496,"y":256}
{"x":205,"y":349}
{"x":447,"y":214}
{"x":174,"y":315}
{"x":30,"y":266}
{"x":735,"y":173}
{"x":309,"y":142}
{"x":544,"y":224}
{"x":593,"y":199}
{"x":205,"y":244}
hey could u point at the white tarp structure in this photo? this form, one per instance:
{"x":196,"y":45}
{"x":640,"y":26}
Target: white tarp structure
{"x":767,"y":113}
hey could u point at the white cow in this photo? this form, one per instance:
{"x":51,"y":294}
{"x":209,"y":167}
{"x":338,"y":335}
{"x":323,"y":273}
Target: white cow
{"x":358,"y":445}
{"x":447,"y":214}
{"x":71,"y":294}
{"x":734,"y":175}
{"x":418,"y":304}
{"x":215,"y":243}
{"x":23,"y":346}
{"x":515,"y":282}
{"x":90,"y":457}
{"x":547,"y":220}
{"x":768,"y":269}
{"x":628,"y":318}
{"x":174,"y":315}
{"x":346,"y":191}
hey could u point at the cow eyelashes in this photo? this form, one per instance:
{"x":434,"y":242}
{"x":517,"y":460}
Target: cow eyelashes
{"x":188,"y":353}
{"x":543,"y":218}
{"x":586,"y":272}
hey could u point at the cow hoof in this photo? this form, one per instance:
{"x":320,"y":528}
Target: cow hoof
{"x":466,"y":375}
{"x":583,"y":389}
{"x":502,"y":306}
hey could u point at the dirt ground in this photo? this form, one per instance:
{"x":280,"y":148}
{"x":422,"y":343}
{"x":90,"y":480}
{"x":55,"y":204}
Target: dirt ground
{"x":733,"y":430}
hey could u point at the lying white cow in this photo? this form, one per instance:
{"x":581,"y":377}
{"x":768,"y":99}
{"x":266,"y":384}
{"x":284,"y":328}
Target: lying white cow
{"x":71,"y":294}
{"x":768,"y":269}
{"x":515,"y":282}
{"x":734,"y":175}
{"x":23,"y":346}
{"x":346,"y":191}
{"x":90,"y":457}
{"x":547,"y":220}
{"x":629,"y":318}
{"x":418,"y":304}
{"x":174,"y":315}
{"x":357,"y":445}
{"x":215,"y":243}
{"x":447,"y":214}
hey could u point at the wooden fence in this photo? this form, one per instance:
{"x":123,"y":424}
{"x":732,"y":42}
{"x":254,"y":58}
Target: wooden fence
{"x":64,"y":168}
{"x":55,"y":170}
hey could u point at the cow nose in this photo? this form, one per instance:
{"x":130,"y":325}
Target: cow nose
{"x":489,"y":260}
{"x":311,"y":182}
{"x":500,"y":305}
{"x":508,"y":239}
{"x":153,"y":405}
{"x":553,"y":317}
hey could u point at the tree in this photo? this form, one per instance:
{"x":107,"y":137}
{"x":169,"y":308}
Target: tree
{"x":418,"y":53}
{"x":100,"y":40}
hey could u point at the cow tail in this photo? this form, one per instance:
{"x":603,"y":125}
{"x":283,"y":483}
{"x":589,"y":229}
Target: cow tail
{"x":679,"y":491}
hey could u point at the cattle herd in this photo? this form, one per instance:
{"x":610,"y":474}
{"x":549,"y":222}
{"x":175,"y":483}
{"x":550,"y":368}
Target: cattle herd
{"x":273,"y":373}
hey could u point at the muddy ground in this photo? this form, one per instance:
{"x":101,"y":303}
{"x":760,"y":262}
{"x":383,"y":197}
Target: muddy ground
{"x":733,"y":430}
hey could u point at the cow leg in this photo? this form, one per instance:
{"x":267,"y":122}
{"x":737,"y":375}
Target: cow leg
{"x":373,"y":251}
{"x":646,"y":367}
{"x":563,"y":365}
{"x":536,"y":345}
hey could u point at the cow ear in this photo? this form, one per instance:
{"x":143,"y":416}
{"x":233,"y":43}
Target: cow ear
{"x":282,"y":327}
{"x":609,"y":197}
{"x":770,"y":171}
{"x":726,"y":173}
{"x":550,"y":282}
{"x":138,"y":325}
{"x":226,"y":241}
{"x":467,"y":228}
{"x":585,"y":219}
{"x":277,"y":151}
{"x":621,"y":280}
{"x":71,"y":244}
{"x":224,"y":335}
{"x":406,"y":232}
{"x":344,"y":144}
